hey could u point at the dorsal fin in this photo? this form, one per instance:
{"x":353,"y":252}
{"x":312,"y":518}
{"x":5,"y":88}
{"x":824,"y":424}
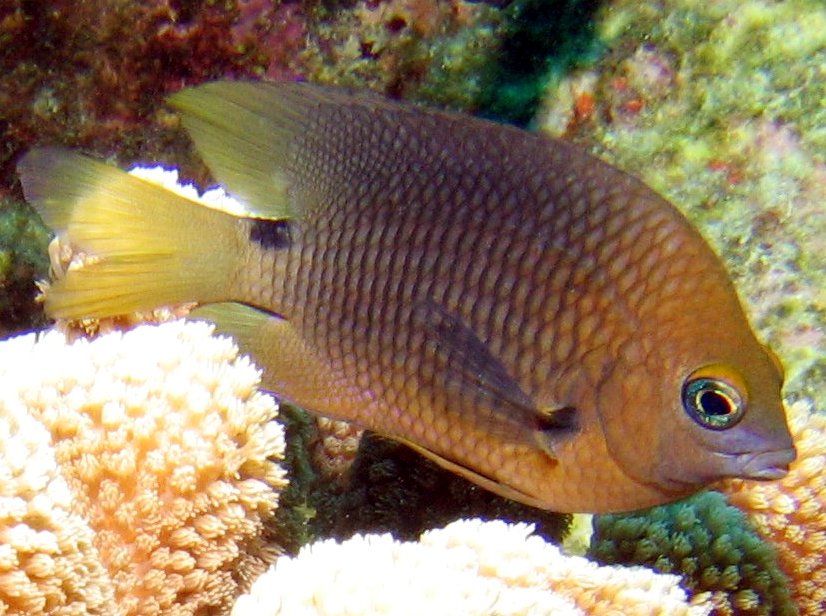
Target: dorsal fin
{"x":244,"y":131}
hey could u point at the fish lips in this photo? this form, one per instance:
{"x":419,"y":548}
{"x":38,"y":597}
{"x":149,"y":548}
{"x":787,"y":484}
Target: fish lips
{"x":765,"y":465}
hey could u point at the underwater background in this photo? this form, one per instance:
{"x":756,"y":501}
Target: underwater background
{"x":719,"y":106}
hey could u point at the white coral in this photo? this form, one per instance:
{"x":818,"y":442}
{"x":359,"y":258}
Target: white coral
{"x":469,"y":567}
{"x":136,"y":472}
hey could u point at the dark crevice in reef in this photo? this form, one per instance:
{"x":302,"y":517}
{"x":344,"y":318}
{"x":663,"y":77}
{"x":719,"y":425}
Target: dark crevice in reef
{"x":543,"y":40}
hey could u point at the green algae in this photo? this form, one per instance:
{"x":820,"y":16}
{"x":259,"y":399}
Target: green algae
{"x":289,"y":527}
{"x":728,"y":122}
{"x":495,"y":61}
{"x":431,"y":50}
{"x":457,"y":69}
{"x":23,"y":241}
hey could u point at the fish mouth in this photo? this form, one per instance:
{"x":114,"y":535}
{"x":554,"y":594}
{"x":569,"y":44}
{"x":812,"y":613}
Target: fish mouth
{"x":767,"y":465}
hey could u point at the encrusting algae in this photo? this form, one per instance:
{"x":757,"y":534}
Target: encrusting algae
{"x":504,"y":303}
{"x":138,"y":473}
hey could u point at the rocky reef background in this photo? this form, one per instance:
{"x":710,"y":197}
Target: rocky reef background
{"x":719,"y":106}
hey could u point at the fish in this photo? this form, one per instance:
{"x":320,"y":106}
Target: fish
{"x":507,"y":304}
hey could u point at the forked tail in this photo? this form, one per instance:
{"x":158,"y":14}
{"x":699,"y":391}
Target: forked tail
{"x":147,"y":247}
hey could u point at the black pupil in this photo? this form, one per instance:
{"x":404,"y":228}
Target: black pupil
{"x":714,"y":403}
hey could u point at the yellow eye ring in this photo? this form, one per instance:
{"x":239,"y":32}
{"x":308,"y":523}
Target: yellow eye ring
{"x":712,"y":402}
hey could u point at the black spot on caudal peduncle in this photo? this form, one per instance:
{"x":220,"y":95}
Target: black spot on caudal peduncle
{"x":270,"y":234}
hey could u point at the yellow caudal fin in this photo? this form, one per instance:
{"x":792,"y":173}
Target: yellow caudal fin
{"x":148,"y":247}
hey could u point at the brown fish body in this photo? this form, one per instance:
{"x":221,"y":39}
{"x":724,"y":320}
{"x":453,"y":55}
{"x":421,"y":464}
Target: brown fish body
{"x":519,"y":311}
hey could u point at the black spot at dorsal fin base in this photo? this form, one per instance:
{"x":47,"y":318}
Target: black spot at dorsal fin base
{"x":270,"y":234}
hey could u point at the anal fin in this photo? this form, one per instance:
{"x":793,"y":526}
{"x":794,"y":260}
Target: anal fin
{"x":291,"y":369}
{"x":488,"y":483}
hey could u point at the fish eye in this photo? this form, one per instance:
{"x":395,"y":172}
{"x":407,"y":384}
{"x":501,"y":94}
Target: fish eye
{"x":713,"y":402}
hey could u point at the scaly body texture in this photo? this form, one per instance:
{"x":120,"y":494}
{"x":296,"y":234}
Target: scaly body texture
{"x":512,"y":307}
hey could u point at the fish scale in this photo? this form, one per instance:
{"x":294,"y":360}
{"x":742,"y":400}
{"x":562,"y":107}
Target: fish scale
{"x":452,"y":242}
{"x":517,"y":310}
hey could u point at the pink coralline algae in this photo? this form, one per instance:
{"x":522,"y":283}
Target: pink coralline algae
{"x":277,"y":32}
{"x":94,"y":74}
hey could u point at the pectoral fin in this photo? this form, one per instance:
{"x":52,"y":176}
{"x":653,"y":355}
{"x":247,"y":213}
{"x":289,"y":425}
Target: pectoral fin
{"x":471,"y":374}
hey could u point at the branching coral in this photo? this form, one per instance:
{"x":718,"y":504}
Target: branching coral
{"x":169,"y":454}
{"x":470,"y":567}
{"x":791,"y":513}
{"x":709,"y":544}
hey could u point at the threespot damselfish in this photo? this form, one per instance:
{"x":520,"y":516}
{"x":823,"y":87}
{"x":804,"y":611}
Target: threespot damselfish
{"x":507,"y":304}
